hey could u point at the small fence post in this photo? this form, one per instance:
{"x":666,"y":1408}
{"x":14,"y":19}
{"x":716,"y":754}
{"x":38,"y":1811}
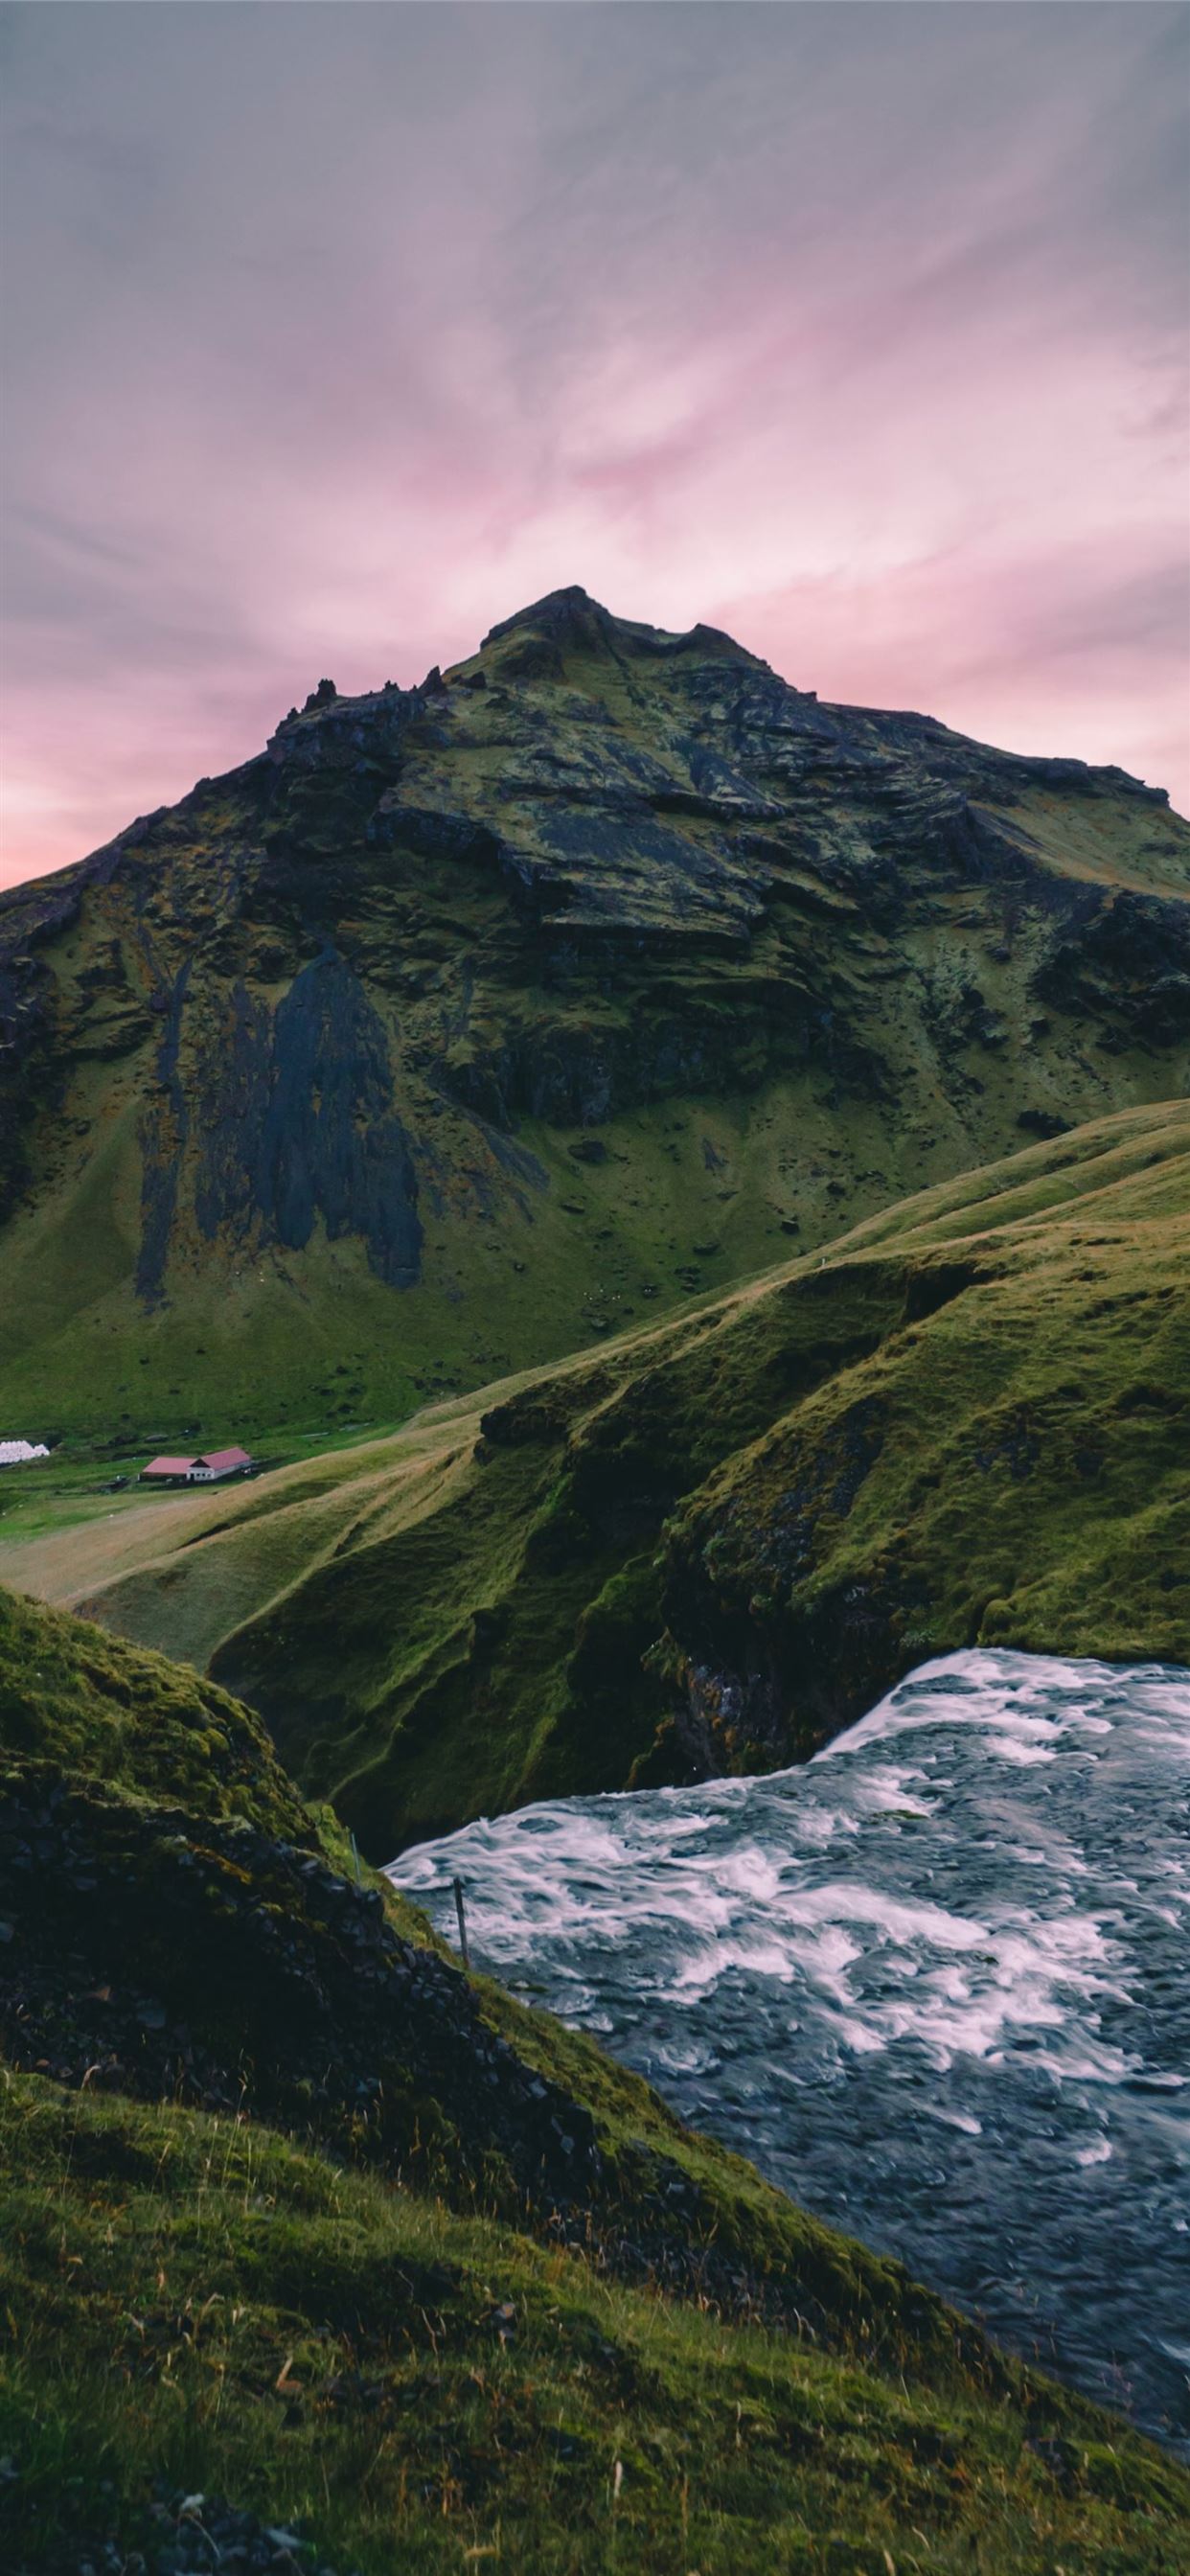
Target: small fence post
{"x":458,"y":1888}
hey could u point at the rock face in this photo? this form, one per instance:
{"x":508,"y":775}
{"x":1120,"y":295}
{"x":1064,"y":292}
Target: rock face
{"x":607,"y":958}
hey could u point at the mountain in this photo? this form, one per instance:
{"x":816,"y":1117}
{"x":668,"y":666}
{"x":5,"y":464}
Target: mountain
{"x":711,"y":1543}
{"x":471,"y":1022}
{"x":304,"y":2226}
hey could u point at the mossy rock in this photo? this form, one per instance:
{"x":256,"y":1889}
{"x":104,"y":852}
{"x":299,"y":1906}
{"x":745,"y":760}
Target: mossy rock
{"x":302,"y":1068}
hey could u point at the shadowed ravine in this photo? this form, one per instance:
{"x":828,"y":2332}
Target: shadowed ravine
{"x":933,"y":1983}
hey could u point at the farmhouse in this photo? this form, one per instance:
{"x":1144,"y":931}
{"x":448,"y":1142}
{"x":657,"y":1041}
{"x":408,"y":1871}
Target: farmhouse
{"x":208,"y":1468}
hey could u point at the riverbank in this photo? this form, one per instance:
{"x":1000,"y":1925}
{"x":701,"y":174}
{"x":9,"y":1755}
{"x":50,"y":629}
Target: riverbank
{"x":301,"y":2222}
{"x":932,"y":1981}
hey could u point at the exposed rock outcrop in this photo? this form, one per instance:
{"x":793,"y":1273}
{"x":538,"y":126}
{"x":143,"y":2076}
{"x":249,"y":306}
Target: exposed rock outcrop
{"x":598,"y":878}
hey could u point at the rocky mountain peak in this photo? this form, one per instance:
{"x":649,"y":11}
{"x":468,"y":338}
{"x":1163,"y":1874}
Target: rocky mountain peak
{"x":569,"y":623}
{"x":604,"y":898}
{"x":565,"y":613}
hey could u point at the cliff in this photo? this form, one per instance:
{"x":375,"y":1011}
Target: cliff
{"x":468,"y":1023}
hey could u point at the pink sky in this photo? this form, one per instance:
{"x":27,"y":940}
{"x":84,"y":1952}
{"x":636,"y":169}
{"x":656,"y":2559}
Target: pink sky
{"x":335,"y":334}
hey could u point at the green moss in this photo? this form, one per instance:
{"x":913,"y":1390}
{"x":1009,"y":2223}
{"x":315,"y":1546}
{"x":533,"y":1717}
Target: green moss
{"x":92,"y":1708}
{"x":1008,"y":1471}
{"x":163,"y":1943}
{"x":842,"y":968}
{"x":497,"y":2299}
{"x":965,"y":1424}
{"x":198,"y":2302}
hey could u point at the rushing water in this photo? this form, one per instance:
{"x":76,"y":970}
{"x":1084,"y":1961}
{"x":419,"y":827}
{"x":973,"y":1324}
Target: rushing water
{"x":936,"y":1983}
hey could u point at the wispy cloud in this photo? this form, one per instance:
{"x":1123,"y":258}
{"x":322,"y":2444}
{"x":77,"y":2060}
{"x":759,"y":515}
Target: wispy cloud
{"x":335,"y":334}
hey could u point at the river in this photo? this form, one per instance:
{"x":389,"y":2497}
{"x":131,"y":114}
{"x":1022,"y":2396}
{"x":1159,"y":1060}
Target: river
{"x":935,"y":1983}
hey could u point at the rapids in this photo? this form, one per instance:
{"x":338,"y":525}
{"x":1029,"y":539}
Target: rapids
{"x":935,"y":1982}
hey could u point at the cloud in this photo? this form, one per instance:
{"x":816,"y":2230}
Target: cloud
{"x":337,"y":334}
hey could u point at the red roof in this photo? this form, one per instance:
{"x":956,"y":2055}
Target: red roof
{"x":222,"y":1458}
{"x":167,"y":1467}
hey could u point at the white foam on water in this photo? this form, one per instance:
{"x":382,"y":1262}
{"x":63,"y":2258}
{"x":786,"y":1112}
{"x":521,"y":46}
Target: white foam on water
{"x":889,"y":1789}
{"x":971,"y":1905}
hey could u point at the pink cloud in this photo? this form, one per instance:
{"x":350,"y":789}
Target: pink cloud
{"x":342,"y":334}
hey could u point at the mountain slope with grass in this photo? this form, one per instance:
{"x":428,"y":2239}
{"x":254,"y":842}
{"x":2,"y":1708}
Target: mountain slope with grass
{"x":316,"y":2248}
{"x":470,"y":1023}
{"x":711,"y":1545}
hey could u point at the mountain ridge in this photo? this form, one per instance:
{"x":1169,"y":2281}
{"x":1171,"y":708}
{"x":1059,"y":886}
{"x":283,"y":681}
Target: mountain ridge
{"x":611,"y":1030}
{"x":601,"y":960}
{"x":708,"y":1544}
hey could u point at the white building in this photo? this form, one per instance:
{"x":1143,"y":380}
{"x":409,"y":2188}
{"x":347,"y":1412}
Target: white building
{"x":207,"y":1469}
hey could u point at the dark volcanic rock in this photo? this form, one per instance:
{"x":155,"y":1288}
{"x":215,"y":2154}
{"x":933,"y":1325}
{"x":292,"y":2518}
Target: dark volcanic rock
{"x":594,"y":871}
{"x":303,"y":1125}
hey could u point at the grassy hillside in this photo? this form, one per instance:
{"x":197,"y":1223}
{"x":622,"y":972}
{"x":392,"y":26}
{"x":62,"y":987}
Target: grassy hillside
{"x":473,"y":1023}
{"x":305,"y":2232}
{"x":712,"y":1545}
